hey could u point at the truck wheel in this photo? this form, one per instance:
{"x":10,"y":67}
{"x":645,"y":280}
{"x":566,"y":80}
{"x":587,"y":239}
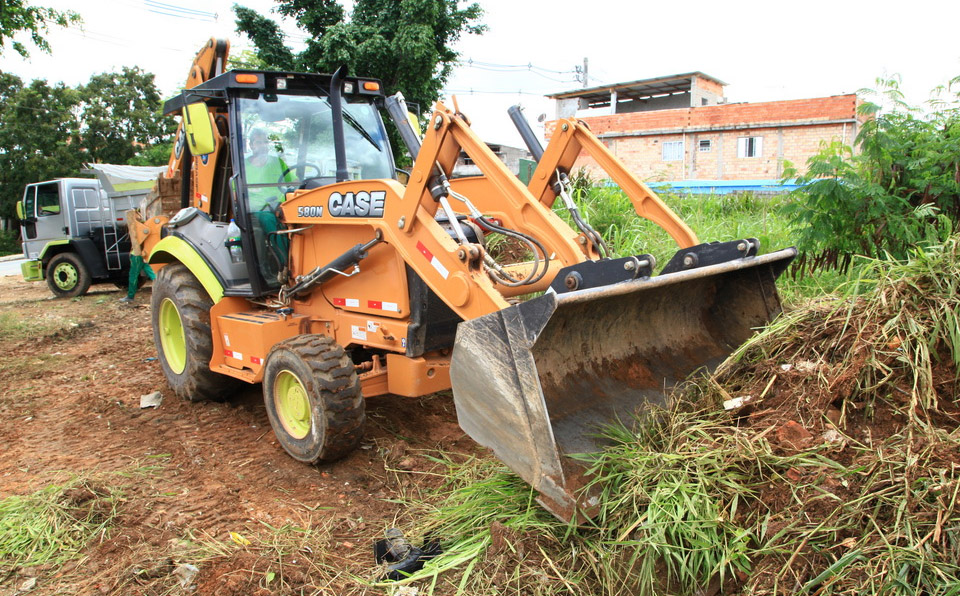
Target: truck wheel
{"x":313,"y":398}
{"x":67,"y":276}
{"x":180,"y":313}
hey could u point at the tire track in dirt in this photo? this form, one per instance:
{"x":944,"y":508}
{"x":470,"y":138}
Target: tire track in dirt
{"x":69,"y":404}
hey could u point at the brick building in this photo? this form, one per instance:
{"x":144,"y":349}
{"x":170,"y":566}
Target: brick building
{"x":680,"y":128}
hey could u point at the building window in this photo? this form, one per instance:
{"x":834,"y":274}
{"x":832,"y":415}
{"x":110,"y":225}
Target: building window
{"x":749,"y":146}
{"x":706,"y":145}
{"x":703,"y":101}
{"x":672,"y":150}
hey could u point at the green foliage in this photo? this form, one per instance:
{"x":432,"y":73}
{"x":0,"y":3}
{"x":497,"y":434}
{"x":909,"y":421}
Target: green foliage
{"x":152,"y":155}
{"x":37,"y":132}
{"x":407,"y":44}
{"x":698,"y":500}
{"x":713,"y":218}
{"x":245,"y":59}
{"x":9,"y":243}
{"x":16,"y":16}
{"x":119,"y":113}
{"x":51,"y":131}
{"x":900,"y":189}
{"x":53,"y":524}
{"x":670,"y":494}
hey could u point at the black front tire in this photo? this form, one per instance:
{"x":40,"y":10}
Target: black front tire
{"x":187,"y":366}
{"x":67,"y":276}
{"x":313,"y":399}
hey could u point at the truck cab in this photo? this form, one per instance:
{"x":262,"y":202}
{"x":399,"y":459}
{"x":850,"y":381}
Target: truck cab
{"x":74,"y":232}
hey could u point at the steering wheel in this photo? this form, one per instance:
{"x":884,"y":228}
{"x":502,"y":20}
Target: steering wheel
{"x":283,"y":184}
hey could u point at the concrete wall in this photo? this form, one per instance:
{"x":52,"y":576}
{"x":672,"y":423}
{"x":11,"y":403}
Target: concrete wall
{"x":643,"y":155}
{"x":510,"y":156}
{"x":790,"y":130}
{"x":667,"y":102}
{"x":705,"y":92}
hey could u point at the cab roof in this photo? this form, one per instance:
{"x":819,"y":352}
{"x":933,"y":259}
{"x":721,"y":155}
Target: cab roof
{"x":266,"y":81}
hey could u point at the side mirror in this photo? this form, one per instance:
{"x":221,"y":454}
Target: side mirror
{"x":198,"y":126}
{"x":414,"y":122}
{"x":403,"y":176}
{"x":21,"y":215}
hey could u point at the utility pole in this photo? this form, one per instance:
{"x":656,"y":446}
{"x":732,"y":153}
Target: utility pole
{"x":585,"y":77}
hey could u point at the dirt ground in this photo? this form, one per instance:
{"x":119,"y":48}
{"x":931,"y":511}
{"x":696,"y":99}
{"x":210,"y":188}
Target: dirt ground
{"x":70,"y":385}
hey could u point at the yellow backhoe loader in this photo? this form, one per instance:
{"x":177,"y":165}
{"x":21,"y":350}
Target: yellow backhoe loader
{"x":300,"y":258}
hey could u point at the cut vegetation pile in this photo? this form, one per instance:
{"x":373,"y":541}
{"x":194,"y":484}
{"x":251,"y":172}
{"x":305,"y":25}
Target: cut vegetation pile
{"x":835,"y":470}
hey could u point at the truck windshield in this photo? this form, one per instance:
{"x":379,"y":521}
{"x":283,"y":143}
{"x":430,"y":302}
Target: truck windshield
{"x":288,"y":144}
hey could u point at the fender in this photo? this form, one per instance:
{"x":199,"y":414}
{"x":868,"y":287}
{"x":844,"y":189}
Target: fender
{"x":173,"y":248}
{"x":51,"y":248}
{"x":84,"y":248}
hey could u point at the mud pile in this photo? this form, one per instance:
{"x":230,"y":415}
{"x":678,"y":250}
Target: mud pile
{"x":862,"y":391}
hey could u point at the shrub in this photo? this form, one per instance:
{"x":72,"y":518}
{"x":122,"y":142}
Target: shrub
{"x":901,"y":189}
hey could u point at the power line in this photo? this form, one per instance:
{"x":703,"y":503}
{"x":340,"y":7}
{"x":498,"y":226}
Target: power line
{"x":482,"y":92}
{"x":528,"y":66}
{"x":77,"y":31}
{"x":539,"y":74}
{"x":173,"y":10}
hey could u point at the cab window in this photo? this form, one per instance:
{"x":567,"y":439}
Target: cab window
{"x":48,"y":199}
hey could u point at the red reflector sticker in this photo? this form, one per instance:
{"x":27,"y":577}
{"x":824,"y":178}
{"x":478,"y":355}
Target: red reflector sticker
{"x":424,"y":250}
{"x":339,"y":302}
{"x":374,"y":304}
{"x":256,"y":360}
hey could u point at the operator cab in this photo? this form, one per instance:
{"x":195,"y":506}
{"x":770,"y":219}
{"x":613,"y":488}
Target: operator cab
{"x":281,"y":131}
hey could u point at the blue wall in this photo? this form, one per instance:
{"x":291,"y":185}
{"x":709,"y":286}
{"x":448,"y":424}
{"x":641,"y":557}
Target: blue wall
{"x":723,"y":187}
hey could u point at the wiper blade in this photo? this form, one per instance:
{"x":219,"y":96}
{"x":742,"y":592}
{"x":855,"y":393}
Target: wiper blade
{"x":360,"y":129}
{"x":356,"y":126}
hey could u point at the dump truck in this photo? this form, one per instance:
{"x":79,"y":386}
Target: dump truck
{"x":303,"y":259}
{"x":73,"y":230}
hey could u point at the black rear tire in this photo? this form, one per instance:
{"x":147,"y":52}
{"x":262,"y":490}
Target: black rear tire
{"x":313,"y":399}
{"x":67,"y":276}
{"x":178,"y":297}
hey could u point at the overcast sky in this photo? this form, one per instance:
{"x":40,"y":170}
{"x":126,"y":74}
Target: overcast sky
{"x":762,"y":50}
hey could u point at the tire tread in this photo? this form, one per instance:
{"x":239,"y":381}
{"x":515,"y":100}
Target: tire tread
{"x":337,"y":388}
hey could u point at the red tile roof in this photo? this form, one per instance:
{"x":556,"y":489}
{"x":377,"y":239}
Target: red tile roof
{"x":738,"y":115}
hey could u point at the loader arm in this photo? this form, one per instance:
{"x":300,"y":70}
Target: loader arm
{"x":498,"y":193}
{"x":571,"y":138}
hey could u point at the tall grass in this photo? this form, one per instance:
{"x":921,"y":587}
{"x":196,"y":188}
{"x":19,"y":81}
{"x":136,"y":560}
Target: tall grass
{"x":696,"y":500}
{"x":54,"y":524}
{"x":713,"y":218}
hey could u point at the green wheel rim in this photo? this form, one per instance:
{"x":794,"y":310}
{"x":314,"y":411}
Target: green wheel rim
{"x":65,"y":276}
{"x":292,"y":404}
{"x":172,"y":338}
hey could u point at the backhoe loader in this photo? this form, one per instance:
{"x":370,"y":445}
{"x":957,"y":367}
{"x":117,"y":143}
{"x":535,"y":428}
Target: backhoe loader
{"x":347,"y":278}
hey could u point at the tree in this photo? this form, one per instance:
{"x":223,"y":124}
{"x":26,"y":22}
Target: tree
{"x":120,"y":114}
{"x":52,"y":131}
{"x":900,"y":190}
{"x":18,"y":17}
{"x":407,"y":44}
{"x":38,"y":136}
{"x":246,"y":59}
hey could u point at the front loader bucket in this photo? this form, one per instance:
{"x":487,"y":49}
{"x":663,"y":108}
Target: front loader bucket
{"x":538,"y":381}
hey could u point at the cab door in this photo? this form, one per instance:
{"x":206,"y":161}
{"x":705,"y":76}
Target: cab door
{"x":44,"y":217}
